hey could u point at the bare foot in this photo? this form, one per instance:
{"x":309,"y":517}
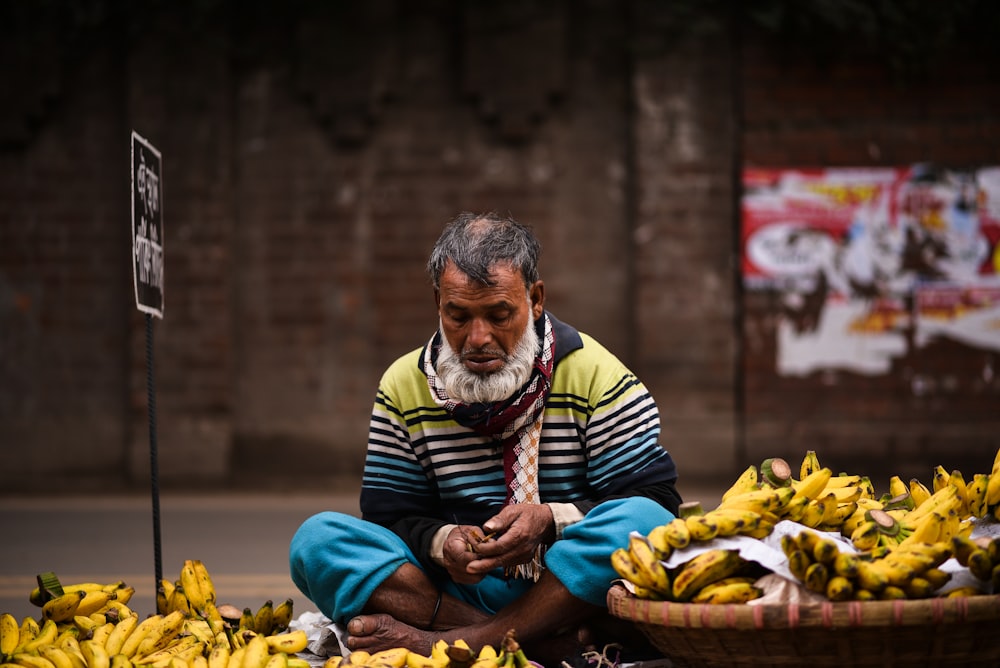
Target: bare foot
{"x":377,"y":632}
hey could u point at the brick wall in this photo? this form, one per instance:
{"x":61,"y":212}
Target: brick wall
{"x":310,"y":160}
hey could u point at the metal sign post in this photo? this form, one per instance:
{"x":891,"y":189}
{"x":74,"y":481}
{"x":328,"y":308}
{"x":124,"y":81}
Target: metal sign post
{"x":147,"y":277}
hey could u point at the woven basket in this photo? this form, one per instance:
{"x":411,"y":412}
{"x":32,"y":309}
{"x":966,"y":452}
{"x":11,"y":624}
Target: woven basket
{"x":925,"y":632}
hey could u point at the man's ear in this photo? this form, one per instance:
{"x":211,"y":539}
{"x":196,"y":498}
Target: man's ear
{"x":537,"y":293}
{"x":437,"y":299}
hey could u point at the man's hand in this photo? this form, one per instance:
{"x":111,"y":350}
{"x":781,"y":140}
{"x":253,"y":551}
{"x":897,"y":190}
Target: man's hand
{"x":458,"y":553}
{"x":519,"y":529}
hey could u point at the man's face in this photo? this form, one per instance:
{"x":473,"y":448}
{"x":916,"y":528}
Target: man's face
{"x":483,"y":324}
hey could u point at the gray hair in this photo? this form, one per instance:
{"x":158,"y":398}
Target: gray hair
{"x":477,"y":242}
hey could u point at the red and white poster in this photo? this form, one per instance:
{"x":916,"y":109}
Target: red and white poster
{"x":867,"y":261}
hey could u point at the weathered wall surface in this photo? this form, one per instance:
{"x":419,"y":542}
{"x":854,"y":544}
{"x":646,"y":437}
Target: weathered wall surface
{"x":312,"y":156}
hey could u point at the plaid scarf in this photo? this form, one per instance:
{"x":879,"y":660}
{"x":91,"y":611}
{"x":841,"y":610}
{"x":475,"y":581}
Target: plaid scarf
{"x":515,"y":422}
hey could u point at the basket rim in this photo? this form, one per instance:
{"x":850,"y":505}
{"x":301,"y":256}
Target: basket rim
{"x":827,"y":614}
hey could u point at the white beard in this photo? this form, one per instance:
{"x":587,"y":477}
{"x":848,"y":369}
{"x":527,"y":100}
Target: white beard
{"x":469,"y":387}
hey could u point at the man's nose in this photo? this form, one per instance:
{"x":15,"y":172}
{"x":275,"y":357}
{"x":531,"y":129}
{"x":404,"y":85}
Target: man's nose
{"x":480,"y":334}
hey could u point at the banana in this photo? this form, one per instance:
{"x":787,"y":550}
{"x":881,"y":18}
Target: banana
{"x":58,"y":657}
{"x":993,"y":488}
{"x":919,"y":492}
{"x":918,"y":587}
{"x":646,"y":560}
{"x":95,"y":601}
{"x":816,"y":577}
{"x":758,"y":500}
{"x":958,"y":480}
{"x":706,"y":567}
{"x":812,"y":515}
{"x":625,"y":566}
{"x":940,"y":478}
{"x":926,"y":531}
{"x":729,"y":592}
{"x":236,"y":657}
{"x":839,"y":588}
{"x":701,"y":527}
{"x":841,"y":511}
{"x":798,"y":563}
{"x":47,"y":634}
{"x":168,"y":627}
{"x":178,"y":600}
{"x":121,"y":661}
{"x":864,"y":595}
{"x":976,"y":492}
{"x":282,"y":615}
{"x":846,"y":564}
{"x":825,"y":551}
{"x":101,"y":633}
{"x":870,"y":576}
{"x":289,"y":642}
{"x":677,"y":534}
{"x":746,"y":482}
{"x":176,"y":648}
{"x":843,"y":480}
{"x":776,"y":472}
{"x":164,"y":591}
{"x":192,"y":586}
{"x":263,"y":619}
{"x":810,"y":464}
{"x":813,"y":484}
{"x":657,"y":540}
{"x":63,"y":607}
{"x":31,"y":660}
{"x":734,"y":521}
{"x":796,"y":507}
{"x":120,"y":633}
{"x":866,"y":536}
{"x":247,"y":620}
{"x":10,"y":633}
{"x":142,"y":629}
{"x":218,"y":657}
{"x":392,"y":658}
{"x":892,"y":593}
{"x":94,"y":654}
{"x":280,"y":660}
{"x":205,"y":584}
{"x":980,"y":564}
{"x":937,"y":577}
{"x":335,"y":661}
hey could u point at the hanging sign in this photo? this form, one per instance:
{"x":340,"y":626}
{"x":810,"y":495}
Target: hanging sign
{"x":147,"y":226}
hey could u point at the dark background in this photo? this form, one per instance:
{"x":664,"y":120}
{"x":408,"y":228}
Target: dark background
{"x":312,"y":152}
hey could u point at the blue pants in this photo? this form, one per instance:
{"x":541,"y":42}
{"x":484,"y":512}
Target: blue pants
{"x":338,"y":560}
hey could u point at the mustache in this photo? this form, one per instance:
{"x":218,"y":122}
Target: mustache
{"x":482,"y":352}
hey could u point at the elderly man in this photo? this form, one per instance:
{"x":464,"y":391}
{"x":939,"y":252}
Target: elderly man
{"x":507,"y":458}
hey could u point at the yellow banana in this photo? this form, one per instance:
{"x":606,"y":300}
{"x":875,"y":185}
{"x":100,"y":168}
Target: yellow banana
{"x":795,"y":507}
{"x":626,"y":567}
{"x":919,"y":492}
{"x":798,"y":563}
{"x":63,"y":607}
{"x":892,"y":593}
{"x":758,"y":500}
{"x":218,"y":657}
{"x":980,"y":564}
{"x":812,"y":515}
{"x":192,"y":586}
{"x":866,"y":536}
{"x":746,"y":482}
{"x":993,"y":488}
{"x":813,"y":484}
{"x":825,"y":551}
{"x":677,"y":534}
{"x":178,"y":602}
{"x":94,"y":654}
{"x":178,"y":647}
{"x":142,"y":629}
{"x":839,"y":588}
{"x":282,"y":615}
{"x":94,"y":601}
{"x":393,"y":658}
{"x":957,"y":478}
{"x":703,"y":568}
{"x":47,"y":633}
{"x":647,"y":561}
{"x":120,"y":633}
{"x":730,"y":592}
{"x":280,"y":660}
{"x":263,"y":619}
{"x":289,"y":642}
{"x":701,"y":527}
{"x":846,"y":564}
{"x":205,"y":584}
{"x":817,"y":575}
{"x":976,"y":492}
{"x":734,"y":521}
{"x":120,"y":661}
{"x":967,"y":590}
{"x":657,"y":540}
{"x":10,"y":633}
{"x":918,"y":587}
{"x":810,"y":464}
{"x":843,"y":480}
{"x":926,"y":531}
{"x":169,"y":626}
{"x":870,"y":576}
{"x":164,"y":591}
{"x":58,"y":657}
{"x":937,"y":577}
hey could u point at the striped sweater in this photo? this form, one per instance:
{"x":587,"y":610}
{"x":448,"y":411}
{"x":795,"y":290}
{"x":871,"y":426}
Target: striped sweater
{"x":598,"y":441}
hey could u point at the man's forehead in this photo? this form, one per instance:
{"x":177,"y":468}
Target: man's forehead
{"x":502,"y":274}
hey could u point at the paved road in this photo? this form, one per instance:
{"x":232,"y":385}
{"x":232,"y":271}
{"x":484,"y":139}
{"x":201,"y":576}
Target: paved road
{"x":242,"y":538}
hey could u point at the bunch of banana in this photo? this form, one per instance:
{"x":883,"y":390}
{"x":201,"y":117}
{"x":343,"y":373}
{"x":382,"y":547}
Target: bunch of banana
{"x":910,"y":571}
{"x":443,"y":654}
{"x":715,"y":566}
{"x":114,"y":636}
{"x":642,"y":566}
{"x":981,"y":556}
